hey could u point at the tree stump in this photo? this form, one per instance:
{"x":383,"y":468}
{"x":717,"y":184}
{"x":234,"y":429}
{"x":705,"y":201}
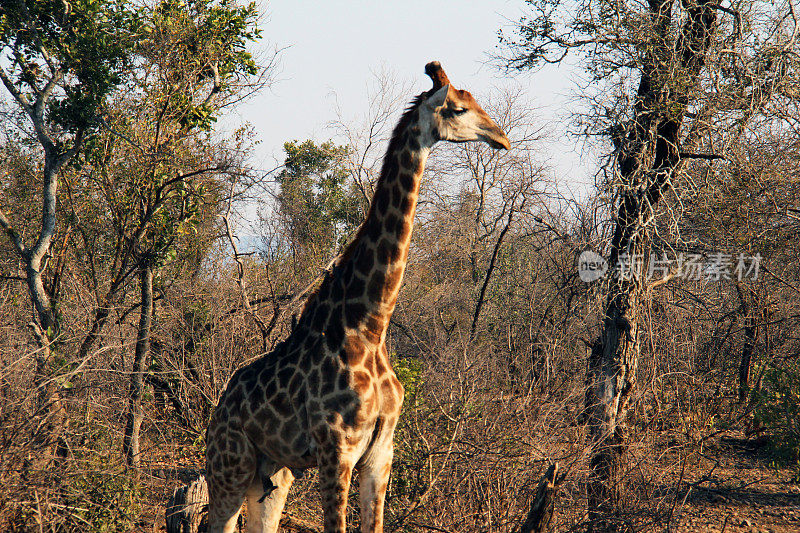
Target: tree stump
{"x":542,"y":507}
{"x":188,"y":507}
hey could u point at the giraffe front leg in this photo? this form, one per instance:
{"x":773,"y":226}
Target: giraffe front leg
{"x":373,"y":473}
{"x":228,"y":480}
{"x":335,"y":473}
{"x":264,"y":510}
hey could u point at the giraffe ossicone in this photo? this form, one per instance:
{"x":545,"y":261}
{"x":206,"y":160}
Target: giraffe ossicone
{"x":327,"y":396}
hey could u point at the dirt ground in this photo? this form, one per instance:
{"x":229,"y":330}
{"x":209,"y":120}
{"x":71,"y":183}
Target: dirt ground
{"x":735,"y":487}
{"x":745,"y":492}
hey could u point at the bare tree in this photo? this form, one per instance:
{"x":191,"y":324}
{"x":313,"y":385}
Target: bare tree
{"x":697,"y":77}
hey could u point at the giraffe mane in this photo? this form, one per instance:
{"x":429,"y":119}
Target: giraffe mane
{"x":402,"y":124}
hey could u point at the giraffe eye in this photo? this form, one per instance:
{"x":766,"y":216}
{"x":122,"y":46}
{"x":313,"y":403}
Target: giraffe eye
{"x":459,"y":111}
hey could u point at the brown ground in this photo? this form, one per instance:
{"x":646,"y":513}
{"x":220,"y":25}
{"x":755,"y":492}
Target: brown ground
{"x":735,"y":486}
{"x":744,"y":493}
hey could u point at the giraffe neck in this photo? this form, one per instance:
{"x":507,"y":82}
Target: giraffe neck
{"x":372,"y":267}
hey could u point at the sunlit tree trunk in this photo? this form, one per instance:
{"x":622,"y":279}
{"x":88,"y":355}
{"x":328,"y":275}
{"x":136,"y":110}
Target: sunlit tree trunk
{"x":45,"y":324}
{"x":648,"y":156}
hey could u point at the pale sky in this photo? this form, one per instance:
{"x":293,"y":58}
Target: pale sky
{"x":332,"y":49}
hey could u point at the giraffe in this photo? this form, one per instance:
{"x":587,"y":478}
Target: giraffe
{"x":327,"y":395}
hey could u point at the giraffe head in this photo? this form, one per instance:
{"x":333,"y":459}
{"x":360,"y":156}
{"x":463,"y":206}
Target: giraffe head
{"x":454,"y":115}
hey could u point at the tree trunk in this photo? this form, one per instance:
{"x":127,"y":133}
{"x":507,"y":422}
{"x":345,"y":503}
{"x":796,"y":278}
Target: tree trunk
{"x":612,"y":375}
{"x":648,"y":156}
{"x":750,"y":336}
{"x":100,"y":317}
{"x":750,"y":332}
{"x":50,"y":416}
{"x":541,"y":511}
{"x":186,"y":509}
{"x":34,"y":257}
{"x":134,"y":416}
{"x":39,"y":297}
{"x":50,"y":419}
{"x":50,"y":409}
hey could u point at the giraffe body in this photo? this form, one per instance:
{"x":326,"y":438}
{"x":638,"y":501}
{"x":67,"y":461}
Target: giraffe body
{"x":327,"y":395}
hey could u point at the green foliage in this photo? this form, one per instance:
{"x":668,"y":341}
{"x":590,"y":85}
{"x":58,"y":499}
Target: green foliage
{"x":778,"y":410}
{"x":314,"y":197}
{"x":207,"y":45}
{"x":187,"y":54}
{"x":410,"y":452}
{"x":115,"y":501}
{"x":409,"y":371}
{"x":88,"y":42}
{"x":90,"y":46}
{"x":104,"y":496}
{"x":213,"y":32}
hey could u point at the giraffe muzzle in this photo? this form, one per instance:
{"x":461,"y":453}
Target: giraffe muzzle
{"x":496,"y":139}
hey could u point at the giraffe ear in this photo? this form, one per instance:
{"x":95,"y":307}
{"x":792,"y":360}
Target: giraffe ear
{"x":437,"y":99}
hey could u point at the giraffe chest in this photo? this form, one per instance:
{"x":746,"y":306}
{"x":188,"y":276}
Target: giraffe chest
{"x":286,"y":409}
{"x":357,"y":401}
{"x":355,"y":387}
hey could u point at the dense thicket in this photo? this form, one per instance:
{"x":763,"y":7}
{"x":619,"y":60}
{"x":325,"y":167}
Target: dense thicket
{"x":115,"y":346}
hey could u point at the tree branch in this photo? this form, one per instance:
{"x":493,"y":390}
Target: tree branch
{"x":16,"y":240}
{"x":689,"y":155}
{"x":489,"y":271}
{"x":241,"y":281}
{"x":18,"y":96}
